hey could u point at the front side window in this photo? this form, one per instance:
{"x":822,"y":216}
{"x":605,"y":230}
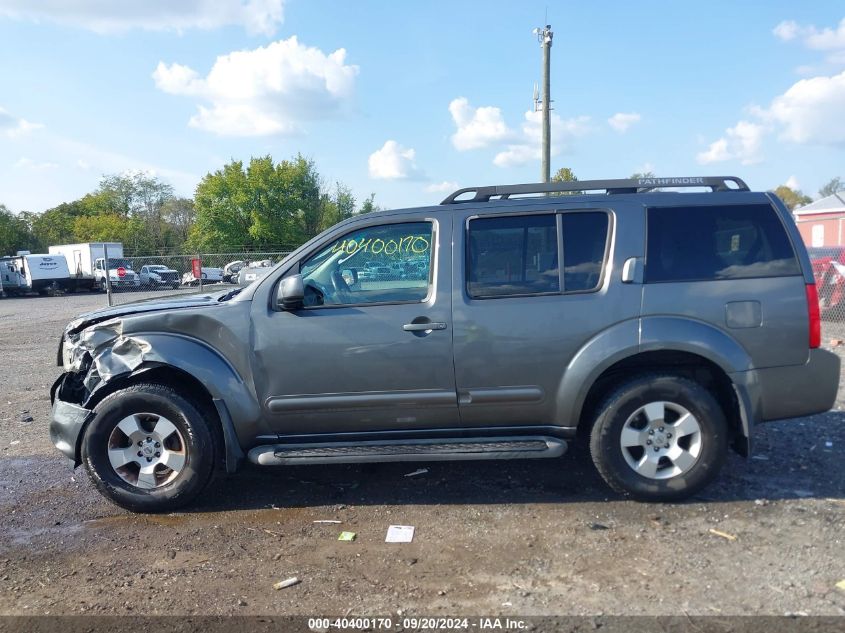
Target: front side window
{"x":389,"y":263}
{"x":512,"y":256}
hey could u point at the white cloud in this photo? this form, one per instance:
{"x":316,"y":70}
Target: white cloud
{"x":28,"y":163}
{"x":741,"y":142}
{"x":811,"y":111}
{"x":529,"y":146}
{"x":792,"y":183}
{"x":787,"y":30}
{"x":272,"y":89}
{"x":477,"y":127}
{"x":393,"y":162}
{"x":621,"y":121}
{"x":446,"y":186}
{"x":825,"y":39}
{"x":13,"y":127}
{"x":112,"y":16}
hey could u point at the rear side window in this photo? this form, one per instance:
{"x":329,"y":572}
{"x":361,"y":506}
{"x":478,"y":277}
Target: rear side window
{"x":513,"y":256}
{"x":584,"y":247}
{"x":705,"y":243}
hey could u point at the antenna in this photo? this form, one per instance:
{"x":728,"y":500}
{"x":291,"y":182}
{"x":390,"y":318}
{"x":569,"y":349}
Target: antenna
{"x":536,"y":97}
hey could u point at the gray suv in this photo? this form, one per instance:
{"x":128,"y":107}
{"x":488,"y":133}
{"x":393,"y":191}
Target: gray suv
{"x":662,"y":325}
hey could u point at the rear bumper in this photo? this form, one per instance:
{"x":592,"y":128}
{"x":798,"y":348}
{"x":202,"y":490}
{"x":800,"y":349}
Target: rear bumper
{"x":776,"y":393}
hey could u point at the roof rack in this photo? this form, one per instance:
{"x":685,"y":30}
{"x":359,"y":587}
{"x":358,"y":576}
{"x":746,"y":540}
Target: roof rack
{"x":633,"y":185}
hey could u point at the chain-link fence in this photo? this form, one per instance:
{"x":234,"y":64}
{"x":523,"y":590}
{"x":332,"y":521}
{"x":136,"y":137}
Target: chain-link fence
{"x":134,"y":278}
{"x":829,"y":271}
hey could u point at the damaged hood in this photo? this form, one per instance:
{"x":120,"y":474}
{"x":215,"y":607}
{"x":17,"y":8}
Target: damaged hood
{"x":148,"y":305}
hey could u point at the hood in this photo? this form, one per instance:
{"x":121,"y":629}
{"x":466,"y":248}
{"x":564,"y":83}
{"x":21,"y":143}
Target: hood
{"x":148,"y":305}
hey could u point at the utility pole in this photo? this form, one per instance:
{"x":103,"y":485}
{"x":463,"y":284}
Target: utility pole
{"x":544,"y":36}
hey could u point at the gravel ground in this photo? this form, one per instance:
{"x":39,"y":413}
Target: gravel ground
{"x":528,"y":538}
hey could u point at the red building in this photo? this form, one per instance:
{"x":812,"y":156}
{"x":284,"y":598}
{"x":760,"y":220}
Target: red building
{"x":822,"y":223}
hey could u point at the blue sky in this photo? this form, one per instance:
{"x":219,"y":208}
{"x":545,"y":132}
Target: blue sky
{"x":410,"y":99}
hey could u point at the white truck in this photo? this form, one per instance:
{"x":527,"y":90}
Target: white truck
{"x":86,"y":263}
{"x":25,"y":272}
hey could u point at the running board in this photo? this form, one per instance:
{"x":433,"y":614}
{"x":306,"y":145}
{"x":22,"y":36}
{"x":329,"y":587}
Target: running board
{"x":404,"y":450}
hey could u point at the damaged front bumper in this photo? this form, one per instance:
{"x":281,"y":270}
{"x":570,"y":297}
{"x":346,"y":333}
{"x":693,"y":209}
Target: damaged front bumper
{"x":66,"y":420}
{"x":90,"y":358}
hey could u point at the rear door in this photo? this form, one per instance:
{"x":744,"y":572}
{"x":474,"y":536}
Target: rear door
{"x":520,"y":317}
{"x":731,"y":265}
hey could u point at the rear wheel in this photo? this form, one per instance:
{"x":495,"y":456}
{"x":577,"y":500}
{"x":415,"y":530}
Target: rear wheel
{"x":659,"y":437}
{"x":149,"y":449}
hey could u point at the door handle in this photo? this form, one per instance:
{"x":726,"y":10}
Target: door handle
{"x":423,"y":327}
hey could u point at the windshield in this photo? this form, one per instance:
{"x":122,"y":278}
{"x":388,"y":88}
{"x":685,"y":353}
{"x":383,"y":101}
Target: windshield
{"x":119,"y":262}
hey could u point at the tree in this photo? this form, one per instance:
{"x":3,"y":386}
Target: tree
{"x":834,"y":186}
{"x":111,"y":227}
{"x":179,"y":214}
{"x":14,"y":233}
{"x":369,"y":205}
{"x":265,"y":206}
{"x":792,"y":198}
{"x":646,"y":174}
{"x":55,"y":226}
{"x":565,"y":174}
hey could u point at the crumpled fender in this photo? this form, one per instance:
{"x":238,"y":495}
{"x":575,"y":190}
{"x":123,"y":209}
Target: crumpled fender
{"x":115,"y":354}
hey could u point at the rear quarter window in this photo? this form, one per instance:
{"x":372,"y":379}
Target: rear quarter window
{"x":713,"y":242}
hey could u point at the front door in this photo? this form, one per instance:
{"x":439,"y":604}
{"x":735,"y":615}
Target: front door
{"x":371,"y":350}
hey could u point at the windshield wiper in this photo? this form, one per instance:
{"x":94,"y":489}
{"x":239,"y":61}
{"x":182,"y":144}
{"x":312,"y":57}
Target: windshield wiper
{"x":230,"y":294}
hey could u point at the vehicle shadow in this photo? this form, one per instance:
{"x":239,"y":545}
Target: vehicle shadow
{"x":784,"y":466}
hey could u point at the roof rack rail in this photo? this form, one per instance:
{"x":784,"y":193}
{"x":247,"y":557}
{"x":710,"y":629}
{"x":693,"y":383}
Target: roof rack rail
{"x":633,"y":185}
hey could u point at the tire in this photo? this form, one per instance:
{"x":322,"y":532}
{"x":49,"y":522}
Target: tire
{"x":103,"y":286}
{"x":684,"y":463}
{"x":191,"y":448}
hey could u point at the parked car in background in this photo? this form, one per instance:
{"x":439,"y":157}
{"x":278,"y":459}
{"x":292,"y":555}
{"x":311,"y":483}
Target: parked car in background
{"x":231,"y":270}
{"x":209,"y":276}
{"x":254,"y":270}
{"x":120,"y":274}
{"x":154,"y":276}
{"x":829,"y":272}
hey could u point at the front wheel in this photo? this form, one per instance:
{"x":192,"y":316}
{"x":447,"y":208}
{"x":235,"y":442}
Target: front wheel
{"x":659,"y":437}
{"x":149,"y":449}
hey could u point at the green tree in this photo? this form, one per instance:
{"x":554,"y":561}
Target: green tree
{"x":266,"y":205}
{"x":565,"y":174}
{"x":179,"y":215}
{"x":112,"y":227}
{"x":14,"y":233}
{"x":646,"y":174}
{"x":55,"y":226}
{"x":369,"y":205}
{"x":222,"y":215}
{"x":792,"y":198}
{"x":834,"y":186}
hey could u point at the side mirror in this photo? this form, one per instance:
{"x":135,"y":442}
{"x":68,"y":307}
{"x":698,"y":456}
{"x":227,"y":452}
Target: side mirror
{"x":290,"y":293}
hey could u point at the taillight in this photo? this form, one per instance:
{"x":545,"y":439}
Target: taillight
{"x":815,"y":316}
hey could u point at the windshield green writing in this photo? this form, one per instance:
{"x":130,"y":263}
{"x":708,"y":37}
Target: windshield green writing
{"x":416,"y":244}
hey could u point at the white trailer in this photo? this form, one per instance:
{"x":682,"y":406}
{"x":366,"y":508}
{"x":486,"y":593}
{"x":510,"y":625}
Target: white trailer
{"x":34,"y":273}
{"x":82,"y":261}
